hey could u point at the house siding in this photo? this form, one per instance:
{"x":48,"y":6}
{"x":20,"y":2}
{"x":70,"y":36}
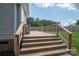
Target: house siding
{"x":11,"y":16}
{"x":6,"y":21}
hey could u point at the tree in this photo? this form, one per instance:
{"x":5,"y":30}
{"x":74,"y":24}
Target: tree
{"x":30,"y":21}
{"x":40,"y":22}
{"x":37,"y":22}
{"x":77,"y":22}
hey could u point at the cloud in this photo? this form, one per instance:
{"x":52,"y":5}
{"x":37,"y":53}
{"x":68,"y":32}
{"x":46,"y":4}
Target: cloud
{"x":65,"y":24}
{"x":44,"y":5}
{"x":69,"y":6}
{"x":73,"y":21}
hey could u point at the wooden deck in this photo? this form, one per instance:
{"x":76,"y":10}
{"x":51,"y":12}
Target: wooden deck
{"x":39,"y":33}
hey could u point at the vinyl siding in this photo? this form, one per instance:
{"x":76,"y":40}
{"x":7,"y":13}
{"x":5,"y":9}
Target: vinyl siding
{"x":6,"y":21}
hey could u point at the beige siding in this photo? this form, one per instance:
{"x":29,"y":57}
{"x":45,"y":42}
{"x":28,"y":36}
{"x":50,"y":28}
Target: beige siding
{"x":24,"y":12}
{"x":23,"y":17}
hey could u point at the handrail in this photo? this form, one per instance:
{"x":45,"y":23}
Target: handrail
{"x":68,"y":39}
{"x":60,"y":31}
{"x":52,"y":25}
{"x":18,"y":37}
{"x":65,"y":29}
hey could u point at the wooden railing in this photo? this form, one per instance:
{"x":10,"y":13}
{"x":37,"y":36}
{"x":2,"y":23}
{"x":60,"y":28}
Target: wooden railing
{"x":65,"y":35}
{"x":18,"y":37}
{"x":62,"y":32}
{"x":48,"y":28}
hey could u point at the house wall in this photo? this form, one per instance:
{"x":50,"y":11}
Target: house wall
{"x":11,"y":15}
{"x":6,"y":21}
{"x":6,"y":26}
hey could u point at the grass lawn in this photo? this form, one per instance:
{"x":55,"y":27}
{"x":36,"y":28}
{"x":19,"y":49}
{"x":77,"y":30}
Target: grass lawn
{"x":75,"y":41}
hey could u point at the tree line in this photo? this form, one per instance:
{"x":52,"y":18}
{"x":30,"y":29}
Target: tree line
{"x":77,"y":22}
{"x":40,"y":22}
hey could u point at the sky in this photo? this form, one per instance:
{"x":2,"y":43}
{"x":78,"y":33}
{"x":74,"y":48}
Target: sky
{"x":65,"y":13}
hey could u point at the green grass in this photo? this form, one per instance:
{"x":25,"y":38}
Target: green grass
{"x":75,"y":41}
{"x":64,"y":34}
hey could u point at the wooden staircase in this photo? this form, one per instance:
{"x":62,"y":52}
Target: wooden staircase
{"x":38,"y":43}
{"x":43,"y":46}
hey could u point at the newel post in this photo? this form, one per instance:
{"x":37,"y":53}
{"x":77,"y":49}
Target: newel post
{"x":23,"y":30}
{"x":69,"y":41}
{"x":57,"y":29}
{"x":44,"y":28}
{"x":17,"y":45}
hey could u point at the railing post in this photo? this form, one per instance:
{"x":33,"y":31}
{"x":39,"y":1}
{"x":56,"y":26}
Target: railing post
{"x":69,"y":41}
{"x":17,"y":44}
{"x":44,"y":28}
{"x":18,"y":37}
{"x":57,"y":29}
{"x":27,"y":29}
{"x":23,"y":30}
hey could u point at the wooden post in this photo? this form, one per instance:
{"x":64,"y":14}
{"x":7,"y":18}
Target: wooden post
{"x":23,"y":30}
{"x":69,"y":41}
{"x":17,"y":44}
{"x":44,"y":28}
{"x":57,"y":29}
{"x":18,"y":37}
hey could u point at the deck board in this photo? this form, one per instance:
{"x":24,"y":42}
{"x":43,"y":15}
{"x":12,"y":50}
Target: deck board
{"x":39,"y":33}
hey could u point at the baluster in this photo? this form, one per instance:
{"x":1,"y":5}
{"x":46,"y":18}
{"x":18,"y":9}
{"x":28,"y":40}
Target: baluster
{"x":69,"y":41}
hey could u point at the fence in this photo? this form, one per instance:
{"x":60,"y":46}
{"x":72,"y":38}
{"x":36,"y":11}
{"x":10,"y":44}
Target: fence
{"x":73,"y":28}
{"x":48,"y":28}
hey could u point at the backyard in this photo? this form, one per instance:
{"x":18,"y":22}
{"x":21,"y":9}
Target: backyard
{"x":75,"y":41}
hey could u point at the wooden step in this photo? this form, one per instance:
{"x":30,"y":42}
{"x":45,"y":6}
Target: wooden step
{"x":41,"y":48}
{"x":40,"y":39}
{"x":49,"y":53}
{"x":44,"y":43}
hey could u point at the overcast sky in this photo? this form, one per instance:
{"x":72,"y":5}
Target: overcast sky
{"x":64,"y":13}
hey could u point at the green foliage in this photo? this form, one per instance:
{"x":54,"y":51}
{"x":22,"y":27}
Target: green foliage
{"x":30,"y":20}
{"x":40,"y":22}
{"x":77,"y":22}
